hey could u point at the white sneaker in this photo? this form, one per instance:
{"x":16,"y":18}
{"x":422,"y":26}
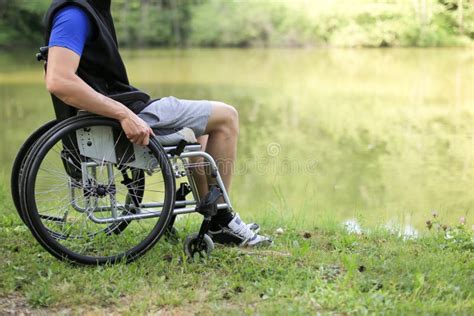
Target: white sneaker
{"x":239,"y":233}
{"x":254,"y":227}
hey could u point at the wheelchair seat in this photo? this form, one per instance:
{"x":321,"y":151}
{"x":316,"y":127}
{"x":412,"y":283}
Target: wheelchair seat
{"x":185,"y":134}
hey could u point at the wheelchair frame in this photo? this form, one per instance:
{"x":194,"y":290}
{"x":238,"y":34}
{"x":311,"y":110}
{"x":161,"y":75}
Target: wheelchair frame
{"x":181,"y":207}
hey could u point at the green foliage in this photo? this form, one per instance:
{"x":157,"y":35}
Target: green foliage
{"x":362,"y":23}
{"x":21,"y":22}
{"x":153,"y":22}
{"x":458,"y":237}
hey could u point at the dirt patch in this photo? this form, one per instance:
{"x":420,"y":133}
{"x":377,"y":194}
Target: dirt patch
{"x":17,"y":305}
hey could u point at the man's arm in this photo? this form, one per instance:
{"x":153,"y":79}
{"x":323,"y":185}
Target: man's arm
{"x":63,"y":82}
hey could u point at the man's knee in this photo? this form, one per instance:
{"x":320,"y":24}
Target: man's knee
{"x":227,"y":117}
{"x":233,"y":119}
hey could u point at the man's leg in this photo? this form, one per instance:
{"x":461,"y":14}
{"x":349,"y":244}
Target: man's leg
{"x":199,"y":173}
{"x":220,"y":142}
{"x":222,"y":129}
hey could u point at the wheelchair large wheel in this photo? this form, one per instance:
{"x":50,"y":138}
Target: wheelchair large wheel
{"x":19,"y":163}
{"x":83,"y":179}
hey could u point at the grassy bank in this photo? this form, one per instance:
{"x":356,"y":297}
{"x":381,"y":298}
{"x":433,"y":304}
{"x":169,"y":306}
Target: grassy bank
{"x":323,"y":269}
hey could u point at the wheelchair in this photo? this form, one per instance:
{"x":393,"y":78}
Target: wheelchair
{"x":90,"y":196}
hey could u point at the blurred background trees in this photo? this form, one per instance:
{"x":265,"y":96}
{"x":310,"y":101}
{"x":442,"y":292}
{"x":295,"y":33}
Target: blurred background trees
{"x":267,"y":23}
{"x":21,"y":22}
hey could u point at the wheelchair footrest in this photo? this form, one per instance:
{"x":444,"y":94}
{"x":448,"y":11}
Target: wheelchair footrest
{"x":208,"y":208}
{"x":208,"y":205}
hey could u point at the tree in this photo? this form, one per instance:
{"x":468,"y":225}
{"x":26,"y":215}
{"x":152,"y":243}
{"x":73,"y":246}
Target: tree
{"x":21,"y":22}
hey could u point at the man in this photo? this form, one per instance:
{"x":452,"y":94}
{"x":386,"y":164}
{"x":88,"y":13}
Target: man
{"x":85,"y":67}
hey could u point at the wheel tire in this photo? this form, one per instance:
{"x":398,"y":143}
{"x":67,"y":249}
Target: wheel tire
{"x":28,"y":203}
{"x":191,"y":248}
{"x":19,"y":164}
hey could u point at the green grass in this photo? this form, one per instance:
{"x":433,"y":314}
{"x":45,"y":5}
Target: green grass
{"x":324,"y":270}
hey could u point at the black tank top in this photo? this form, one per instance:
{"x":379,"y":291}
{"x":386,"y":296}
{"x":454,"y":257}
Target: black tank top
{"x":101,"y":65}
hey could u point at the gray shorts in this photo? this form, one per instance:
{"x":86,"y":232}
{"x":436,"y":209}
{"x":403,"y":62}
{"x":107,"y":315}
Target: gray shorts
{"x":169,"y":115}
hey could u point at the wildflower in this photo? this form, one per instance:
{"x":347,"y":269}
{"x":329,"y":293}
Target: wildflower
{"x":462,"y":220}
{"x":435,"y":214}
{"x":429,"y":224}
{"x":444,"y":227}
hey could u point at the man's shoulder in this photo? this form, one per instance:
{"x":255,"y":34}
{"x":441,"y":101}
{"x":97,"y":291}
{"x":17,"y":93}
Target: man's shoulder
{"x":72,"y":28}
{"x":75,"y":19}
{"x":73,"y":12}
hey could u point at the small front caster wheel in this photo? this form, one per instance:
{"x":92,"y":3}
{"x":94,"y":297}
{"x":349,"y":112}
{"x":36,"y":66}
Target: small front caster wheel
{"x":196,"y":252}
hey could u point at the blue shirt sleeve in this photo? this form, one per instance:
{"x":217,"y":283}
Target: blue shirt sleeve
{"x":71,"y":29}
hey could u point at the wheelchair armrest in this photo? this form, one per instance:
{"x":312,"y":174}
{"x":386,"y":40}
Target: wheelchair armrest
{"x":175,"y":151}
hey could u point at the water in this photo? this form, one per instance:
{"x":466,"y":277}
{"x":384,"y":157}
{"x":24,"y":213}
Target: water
{"x":379,"y":136}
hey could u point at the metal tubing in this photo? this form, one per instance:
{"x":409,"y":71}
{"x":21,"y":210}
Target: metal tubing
{"x":111,"y":178}
{"x":122,"y":207}
{"x":124,"y":217}
{"x":85,"y":184}
{"x":179,"y":211}
{"x":188,"y":148}
{"x":191,"y":181}
{"x":213,"y":164}
{"x":190,"y":151}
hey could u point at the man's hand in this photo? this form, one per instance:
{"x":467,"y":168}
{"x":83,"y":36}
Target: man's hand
{"x":137,"y":131}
